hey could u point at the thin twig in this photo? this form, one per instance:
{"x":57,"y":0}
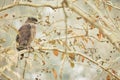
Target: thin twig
{"x":24,"y":69}
{"x":8,"y":78}
{"x":62,"y":65}
{"x":66,"y":26}
{"x":66,"y":40}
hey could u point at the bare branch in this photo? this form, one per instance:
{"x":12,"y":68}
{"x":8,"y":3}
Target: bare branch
{"x":28,"y":4}
{"x":88,"y":58}
{"x":81,"y":54}
{"x":66,"y":26}
{"x":114,"y":39}
{"x":66,"y":40}
{"x":24,"y":69}
{"x":8,"y":78}
{"x":116,"y":7}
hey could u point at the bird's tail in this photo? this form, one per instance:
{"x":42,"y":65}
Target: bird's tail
{"x":19,"y":48}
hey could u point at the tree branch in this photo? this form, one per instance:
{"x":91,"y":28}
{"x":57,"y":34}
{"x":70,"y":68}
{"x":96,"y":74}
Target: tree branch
{"x":77,"y":53}
{"x":111,"y":35}
{"x":28,"y":4}
{"x":88,"y":58}
{"x":116,"y":7}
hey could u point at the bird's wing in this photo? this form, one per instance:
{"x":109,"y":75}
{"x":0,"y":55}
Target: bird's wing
{"x":33,"y":32}
{"x":24,"y":35}
{"x":17,"y":38}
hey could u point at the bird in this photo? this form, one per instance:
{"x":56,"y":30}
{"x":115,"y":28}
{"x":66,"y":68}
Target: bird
{"x":26,"y":34}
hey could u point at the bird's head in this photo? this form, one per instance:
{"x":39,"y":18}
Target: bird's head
{"x":31,"y":20}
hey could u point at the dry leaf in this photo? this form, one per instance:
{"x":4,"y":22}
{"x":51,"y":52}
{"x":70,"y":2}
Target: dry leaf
{"x":83,"y":58}
{"x":54,"y":73}
{"x":108,"y":77}
{"x":72,"y":56}
{"x":78,"y":18}
{"x":55,"y":51}
{"x":113,"y":71}
{"x":99,"y":35}
{"x":97,"y":16}
{"x":75,"y":41}
{"x":52,"y":42}
{"x":69,"y":31}
{"x":5,"y":15}
{"x":43,"y":62}
{"x":109,"y":7}
{"x":84,"y":39}
{"x":92,"y":26}
{"x":72,"y":64}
